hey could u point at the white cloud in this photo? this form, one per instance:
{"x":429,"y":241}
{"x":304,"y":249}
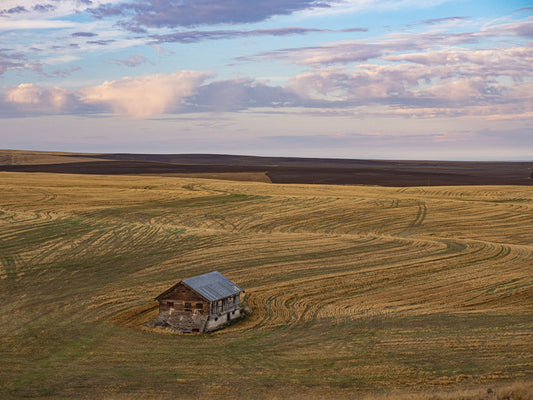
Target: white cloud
{"x":146,"y":96}
{"x":63,"y":59}
{"x":46,"y":99}
{"x":17,"y":24}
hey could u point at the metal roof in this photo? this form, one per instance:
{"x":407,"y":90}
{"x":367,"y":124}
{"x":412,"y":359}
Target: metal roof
{"x":213,"y":286}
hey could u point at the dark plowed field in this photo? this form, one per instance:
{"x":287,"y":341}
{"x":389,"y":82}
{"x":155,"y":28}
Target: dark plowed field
{"x":298,"y":170}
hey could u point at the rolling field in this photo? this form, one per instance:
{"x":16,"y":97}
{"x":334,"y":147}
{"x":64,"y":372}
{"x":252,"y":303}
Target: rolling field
{"x":286,"y":170}
{"x":355,"y":292}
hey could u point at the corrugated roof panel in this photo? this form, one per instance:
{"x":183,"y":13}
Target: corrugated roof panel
{"x":213,"y":286}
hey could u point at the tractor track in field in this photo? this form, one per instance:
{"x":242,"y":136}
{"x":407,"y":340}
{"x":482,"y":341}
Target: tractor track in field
{"x":341,"y":252}
{"x":420,"y":216}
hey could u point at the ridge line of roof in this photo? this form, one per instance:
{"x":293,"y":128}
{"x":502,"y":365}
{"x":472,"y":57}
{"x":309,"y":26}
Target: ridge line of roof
{"x":212,"y":286}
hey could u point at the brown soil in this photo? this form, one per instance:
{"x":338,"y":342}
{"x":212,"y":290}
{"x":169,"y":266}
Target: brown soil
{"x":287,"y":170}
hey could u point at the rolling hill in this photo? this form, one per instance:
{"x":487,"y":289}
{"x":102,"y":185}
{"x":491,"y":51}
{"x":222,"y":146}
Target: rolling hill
{"x":355,"y":291}
{"x":275,"y":169}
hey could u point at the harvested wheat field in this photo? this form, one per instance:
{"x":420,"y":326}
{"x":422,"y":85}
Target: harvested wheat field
{"x":355,"y":292}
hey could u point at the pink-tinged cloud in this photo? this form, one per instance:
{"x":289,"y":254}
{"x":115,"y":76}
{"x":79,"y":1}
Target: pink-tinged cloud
{"x":37,"y":97}
{"x":367,"y":84}
{"x":146,"y":96}
{"x":133,"y":61}
{"x":512,"y":61}
{"x":456,"y":75}
{"x":522,"y":29}
{"x":353,"y":51}
{"x":461,"y":90}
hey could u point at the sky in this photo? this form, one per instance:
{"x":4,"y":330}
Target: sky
{"x":368,"y":79}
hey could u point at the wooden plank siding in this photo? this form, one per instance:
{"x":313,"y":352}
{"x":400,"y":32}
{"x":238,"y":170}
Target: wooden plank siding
{"x":183,"y":298}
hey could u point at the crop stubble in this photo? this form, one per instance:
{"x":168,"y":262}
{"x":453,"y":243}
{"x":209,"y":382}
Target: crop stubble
{"x":353,"y":289}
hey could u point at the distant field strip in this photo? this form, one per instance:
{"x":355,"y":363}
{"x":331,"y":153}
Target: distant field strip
{"x":359,"y":287}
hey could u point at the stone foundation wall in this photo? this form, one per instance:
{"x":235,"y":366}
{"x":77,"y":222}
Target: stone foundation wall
{"x":214,"y":321}
{"x":184,"y":322}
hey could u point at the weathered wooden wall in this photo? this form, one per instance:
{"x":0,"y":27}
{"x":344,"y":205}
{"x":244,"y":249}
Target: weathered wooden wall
{"x":183,"y":298}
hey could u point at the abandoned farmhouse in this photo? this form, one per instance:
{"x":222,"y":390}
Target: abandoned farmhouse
{"x":200,"y":304}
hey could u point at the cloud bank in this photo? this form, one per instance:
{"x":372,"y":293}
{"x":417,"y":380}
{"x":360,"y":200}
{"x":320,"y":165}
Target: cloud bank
{"x":191,"y":13}
{"x":484,"y":72}
{"x":420,"y":85}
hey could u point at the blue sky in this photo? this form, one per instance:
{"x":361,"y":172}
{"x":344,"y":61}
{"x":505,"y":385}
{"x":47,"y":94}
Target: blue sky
{"x":391,"y":79}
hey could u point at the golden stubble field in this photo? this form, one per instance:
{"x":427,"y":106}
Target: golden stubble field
{"x":355,"y":292}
